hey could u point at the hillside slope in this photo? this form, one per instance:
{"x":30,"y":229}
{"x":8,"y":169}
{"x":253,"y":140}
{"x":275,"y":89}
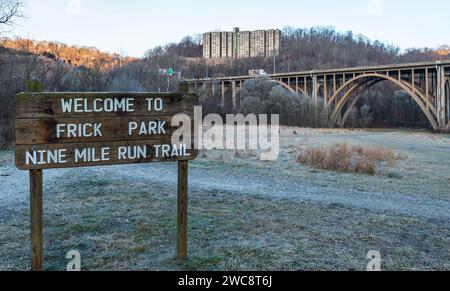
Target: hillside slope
{"x":73,"y":55}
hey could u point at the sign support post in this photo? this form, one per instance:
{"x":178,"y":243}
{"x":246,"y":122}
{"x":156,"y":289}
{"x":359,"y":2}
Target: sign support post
{"x":182,"y":212}
{"x":36,"y":206}
{"x":182,"y":203}
{"x":36,"y":219}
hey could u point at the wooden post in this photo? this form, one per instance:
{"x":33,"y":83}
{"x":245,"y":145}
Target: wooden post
{"x":36,"y":220}
{"x":34,"y":86}
{"x":182,"y":206}
{"x":182,"y":214}
{"x":36,"y":205}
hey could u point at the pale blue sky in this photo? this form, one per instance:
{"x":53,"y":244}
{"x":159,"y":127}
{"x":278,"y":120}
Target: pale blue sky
{"x":133,"y":26}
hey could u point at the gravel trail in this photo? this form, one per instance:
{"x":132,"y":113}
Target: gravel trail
{"x":15,"y":188}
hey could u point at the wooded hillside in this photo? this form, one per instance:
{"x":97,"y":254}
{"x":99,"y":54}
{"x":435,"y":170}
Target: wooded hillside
{"x":66,"y":68}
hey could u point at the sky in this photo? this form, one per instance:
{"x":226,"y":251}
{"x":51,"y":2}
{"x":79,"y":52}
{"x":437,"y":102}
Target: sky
{"x":131,"y":27}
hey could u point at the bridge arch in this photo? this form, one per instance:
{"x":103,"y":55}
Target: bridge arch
{"x":365,"y":79}
{"x":286,"y":86}
{"x":352,"y":105}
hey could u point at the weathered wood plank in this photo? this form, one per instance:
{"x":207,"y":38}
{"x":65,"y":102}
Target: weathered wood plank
{"x":49,"y":105}
{"x":44,"y":131}
{"x":90,"y":154}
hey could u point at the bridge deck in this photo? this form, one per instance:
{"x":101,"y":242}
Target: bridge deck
{"x":407,"y":66}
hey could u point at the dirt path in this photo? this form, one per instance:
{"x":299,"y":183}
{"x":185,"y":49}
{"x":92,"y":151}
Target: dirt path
{"x":15,"y":188}
{"x":292,"y":188}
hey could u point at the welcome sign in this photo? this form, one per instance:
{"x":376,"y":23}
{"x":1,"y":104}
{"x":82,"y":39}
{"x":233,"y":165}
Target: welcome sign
{"x":65,"y":130}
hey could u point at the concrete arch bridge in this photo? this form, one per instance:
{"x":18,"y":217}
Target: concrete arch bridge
{"x":427,"y":83}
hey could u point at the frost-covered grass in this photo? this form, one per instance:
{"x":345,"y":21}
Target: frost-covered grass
{"x":131,"y":227}
{"x":244,"y":214}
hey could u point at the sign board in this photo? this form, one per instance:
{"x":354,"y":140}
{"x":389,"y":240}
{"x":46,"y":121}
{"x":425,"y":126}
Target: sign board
{"x":65,"y":130}
{"x":167,"y":72}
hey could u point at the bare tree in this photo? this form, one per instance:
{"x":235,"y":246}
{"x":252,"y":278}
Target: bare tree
{"x":9,"y":11}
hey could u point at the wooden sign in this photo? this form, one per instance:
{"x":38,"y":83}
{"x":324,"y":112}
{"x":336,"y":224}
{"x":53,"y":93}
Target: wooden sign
{"x":65,"y":130}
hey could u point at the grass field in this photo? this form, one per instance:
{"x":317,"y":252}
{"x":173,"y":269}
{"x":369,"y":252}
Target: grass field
{"x":244,"y":214}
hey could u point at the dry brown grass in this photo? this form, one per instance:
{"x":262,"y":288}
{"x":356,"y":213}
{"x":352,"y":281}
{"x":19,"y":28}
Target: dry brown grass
{"x":353,"y":159}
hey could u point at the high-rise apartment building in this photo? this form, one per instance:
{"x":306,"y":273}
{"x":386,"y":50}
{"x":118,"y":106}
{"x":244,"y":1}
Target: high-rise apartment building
{"x":207,"y":46}
{"x":244,"y":44}
{"x":258,"y":40}
{"x":224,"y":45}
{"x":230,"y":45}
{"x":273,"y":42}
{"x":241,"y":44}
{"x":216,"y":45}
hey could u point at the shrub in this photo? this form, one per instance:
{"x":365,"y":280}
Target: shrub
{"x":351,"y":159}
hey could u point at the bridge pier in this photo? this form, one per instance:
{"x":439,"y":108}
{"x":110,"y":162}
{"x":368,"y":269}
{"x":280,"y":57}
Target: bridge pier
{"x":315,"y":89}
{"x":325,"y":89}
{"x":234,"y":93}
{"x":447,"y":98}
{"x":442,"y":99}
{"x":213,"y":89}
{"x":223,"y":94}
